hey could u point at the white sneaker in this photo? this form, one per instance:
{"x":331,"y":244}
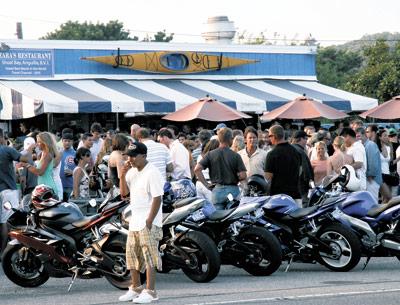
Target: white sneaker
{"x":146,"y":297}
{"x":128,"y":296}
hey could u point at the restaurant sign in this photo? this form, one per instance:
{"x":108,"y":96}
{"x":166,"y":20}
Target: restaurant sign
{"x":27,"y":63}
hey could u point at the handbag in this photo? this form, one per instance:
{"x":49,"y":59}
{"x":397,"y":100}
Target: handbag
{"x":391,"y":179}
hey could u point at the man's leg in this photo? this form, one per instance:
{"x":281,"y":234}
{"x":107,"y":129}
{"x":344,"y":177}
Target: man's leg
{"x":135,"y":276}
{"x":150,"y":278}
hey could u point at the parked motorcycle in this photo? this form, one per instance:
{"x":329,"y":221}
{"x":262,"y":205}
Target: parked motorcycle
{"x":240,"y":242}
{"x":376,"y":225}
{"x":59,"y":241}
{"x":192,"y":251}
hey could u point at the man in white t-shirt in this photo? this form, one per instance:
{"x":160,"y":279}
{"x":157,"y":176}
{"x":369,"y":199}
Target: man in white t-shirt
{"x":145,"y":184}
{"x":357,"y":151}
{"x":179,"y":155}
{"x":157,"y":153}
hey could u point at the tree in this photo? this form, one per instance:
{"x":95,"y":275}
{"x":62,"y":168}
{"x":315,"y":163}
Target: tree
{"x":73,"y":30}
{"x":380,"y":78}
{"x":160,"y":36}
{"x":335,"y":67}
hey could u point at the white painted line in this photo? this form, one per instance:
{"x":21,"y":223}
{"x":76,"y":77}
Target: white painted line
{"x":306,"y":296}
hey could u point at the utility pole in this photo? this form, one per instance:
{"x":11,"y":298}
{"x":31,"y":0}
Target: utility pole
{"x":19,"y":31}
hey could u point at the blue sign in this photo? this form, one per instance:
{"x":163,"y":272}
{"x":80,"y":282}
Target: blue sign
{"x":27,"y":63}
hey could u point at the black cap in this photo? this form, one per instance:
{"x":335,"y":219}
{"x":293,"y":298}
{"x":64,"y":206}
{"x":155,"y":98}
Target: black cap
{"x":300,"y":134}
{"x":135,"y":149}
{"x":67,"y":136}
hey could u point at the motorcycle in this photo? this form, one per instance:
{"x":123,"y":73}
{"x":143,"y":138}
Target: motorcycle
{"x":312,"y":234}
{"x":190,"y":250}
{"x":59,"y":241}
{"x":376,"y":225}
{"x":239,"y":241}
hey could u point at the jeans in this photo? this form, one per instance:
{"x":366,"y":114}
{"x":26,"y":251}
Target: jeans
{"x":220,"y":194}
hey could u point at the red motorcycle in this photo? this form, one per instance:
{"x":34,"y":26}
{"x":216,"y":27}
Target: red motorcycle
{"x":59,"y":241}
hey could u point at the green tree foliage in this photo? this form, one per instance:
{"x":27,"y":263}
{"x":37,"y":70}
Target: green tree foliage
{"x":73,"y":30}
{"x":380,"y":78}
{"x":160,"y":36}
{"x":335,"y":67}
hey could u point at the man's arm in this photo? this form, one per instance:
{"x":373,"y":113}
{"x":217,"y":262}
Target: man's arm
{"x":170,"y":167}
{"x":155,"y":206}
{"x":123,"y":186}
{"x":242,"y":175}
{"x":198,"y":170}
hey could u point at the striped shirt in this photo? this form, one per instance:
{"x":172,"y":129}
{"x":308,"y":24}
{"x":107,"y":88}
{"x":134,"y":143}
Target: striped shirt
{"x":158,"y":155}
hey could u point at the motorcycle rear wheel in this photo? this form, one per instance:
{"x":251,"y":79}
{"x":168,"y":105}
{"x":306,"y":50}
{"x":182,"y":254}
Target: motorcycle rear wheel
{"x":343,"y":243}
{"x":116,"y":248}
{"x":204,"y":261}
{"x":267,"y":253}
{"x":22,"y":267}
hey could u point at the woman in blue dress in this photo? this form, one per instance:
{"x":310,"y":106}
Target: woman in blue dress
{"x":44,"y":170}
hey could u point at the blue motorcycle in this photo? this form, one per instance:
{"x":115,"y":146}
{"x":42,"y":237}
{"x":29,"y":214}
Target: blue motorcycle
{"x":376,"y":225}
{"x":311,"y":234}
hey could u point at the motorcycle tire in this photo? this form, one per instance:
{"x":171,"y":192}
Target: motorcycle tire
{"x":204,"y":262}
{"x":23,"y":269}
{"x":268,"y":255}
{"x":122,"y":279}
{"x":344,"y":243}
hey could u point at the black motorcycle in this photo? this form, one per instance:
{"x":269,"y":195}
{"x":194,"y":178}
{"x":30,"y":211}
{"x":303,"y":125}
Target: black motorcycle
{"x":59,"y":241}
{"x":239,"y":240}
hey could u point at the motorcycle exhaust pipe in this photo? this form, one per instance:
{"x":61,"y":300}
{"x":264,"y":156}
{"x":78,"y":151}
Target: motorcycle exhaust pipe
{"x":390,"y":244}
{"x":38,"y":245}
{"x":357,"y":223}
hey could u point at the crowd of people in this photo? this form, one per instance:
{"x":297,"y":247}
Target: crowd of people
{"x":218,"y":162}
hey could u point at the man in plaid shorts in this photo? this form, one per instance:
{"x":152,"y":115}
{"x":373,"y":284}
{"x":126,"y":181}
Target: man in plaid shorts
{"x":145,"y":184}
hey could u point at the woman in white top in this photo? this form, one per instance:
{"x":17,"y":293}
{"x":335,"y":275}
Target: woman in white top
{"x":201,"y":190}
{"x":382,"y":140}
{"x":80,"y":176}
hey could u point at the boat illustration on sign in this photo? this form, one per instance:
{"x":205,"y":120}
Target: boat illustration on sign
{"x":170,"y":62}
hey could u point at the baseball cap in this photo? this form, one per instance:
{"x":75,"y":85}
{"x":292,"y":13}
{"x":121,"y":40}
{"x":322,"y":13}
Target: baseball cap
{"x":67,"y":136}
{"x":135,"y":149}
{"x":219,"y":126}
{"x":300,"y":134}
{"x":392,"y":132}
{"x":28,"y":142}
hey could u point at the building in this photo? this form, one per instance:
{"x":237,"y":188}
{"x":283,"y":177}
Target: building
{"x":55,"y":81}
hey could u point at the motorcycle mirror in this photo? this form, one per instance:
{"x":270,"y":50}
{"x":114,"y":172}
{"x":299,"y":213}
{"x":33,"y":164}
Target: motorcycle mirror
{"x":92,"y":203}
{"x":230,"y":197}
{"x":312,"y":184}
{"x":7,"y":205}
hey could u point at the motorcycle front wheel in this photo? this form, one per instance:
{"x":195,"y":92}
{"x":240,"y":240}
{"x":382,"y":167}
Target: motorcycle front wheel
{"x":204,"y":262}
{"x":344,"y":245}
{"x":22,"y":267}
{"x":264,"y":254}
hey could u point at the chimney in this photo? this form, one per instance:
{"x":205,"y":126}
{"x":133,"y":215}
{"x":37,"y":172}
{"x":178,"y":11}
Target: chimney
{"x":219,"y":30}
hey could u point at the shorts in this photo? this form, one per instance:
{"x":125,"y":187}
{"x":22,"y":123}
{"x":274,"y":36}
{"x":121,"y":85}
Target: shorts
{"x":11,"y":196}
{"x":142,"y":249}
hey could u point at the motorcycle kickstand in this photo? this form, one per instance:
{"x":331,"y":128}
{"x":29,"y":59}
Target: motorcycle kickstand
{"x":289,"y":263}
{"x":366,"y":263}
{"x":74,"y":275}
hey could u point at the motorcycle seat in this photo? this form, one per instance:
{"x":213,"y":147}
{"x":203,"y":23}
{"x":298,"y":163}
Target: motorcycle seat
{"x":220,"y":214}
{"x":299,"y":213}
{"x":183,"y":202}
{"x":383,"y":207}
{"x":84,"y":221}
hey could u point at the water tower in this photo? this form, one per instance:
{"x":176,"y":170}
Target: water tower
{"x":219,"y":30}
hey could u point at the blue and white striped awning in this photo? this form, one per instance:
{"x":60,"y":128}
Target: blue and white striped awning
{"x":24,"y":99}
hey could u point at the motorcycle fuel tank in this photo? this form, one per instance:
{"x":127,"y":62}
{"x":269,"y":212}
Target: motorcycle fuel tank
{"x":358,"y":204}
{"x":61,"y":215}
{"x":280,"y":205}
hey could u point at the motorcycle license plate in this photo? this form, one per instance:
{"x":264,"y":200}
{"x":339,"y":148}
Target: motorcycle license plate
{"x":198,"y":215}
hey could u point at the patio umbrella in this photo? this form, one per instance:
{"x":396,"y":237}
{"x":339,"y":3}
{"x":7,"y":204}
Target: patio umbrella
{"x":206,"y":109}
{"x":303,"y":108}
{"x":389,"y":110}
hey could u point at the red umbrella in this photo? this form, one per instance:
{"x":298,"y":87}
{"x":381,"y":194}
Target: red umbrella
{"x":303,"y":108}
{"x":389,"y":110}
{"x":206,"y":109}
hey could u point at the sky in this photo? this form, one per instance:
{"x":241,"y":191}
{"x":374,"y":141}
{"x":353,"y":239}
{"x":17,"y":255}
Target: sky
{"x":330,"y":22}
